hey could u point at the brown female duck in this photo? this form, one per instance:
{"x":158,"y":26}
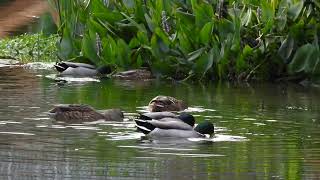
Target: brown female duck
{"x":134,"y":74}
{"x":73,"y":113}
{"x":166,"y":103}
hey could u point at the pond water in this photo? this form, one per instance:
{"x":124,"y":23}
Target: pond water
{"x":263,"y":131}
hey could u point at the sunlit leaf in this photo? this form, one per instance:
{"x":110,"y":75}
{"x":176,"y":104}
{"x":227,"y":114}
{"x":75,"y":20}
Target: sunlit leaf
{"x":195,"y":54}
{"x":245,"y":20}
{"x":206,"y":33}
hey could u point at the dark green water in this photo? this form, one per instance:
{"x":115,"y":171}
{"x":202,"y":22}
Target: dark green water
{"x":265,"y":131}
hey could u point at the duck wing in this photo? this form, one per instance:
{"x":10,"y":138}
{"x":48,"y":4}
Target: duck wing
{"x":64,"y":65}
{"x":79,"y":72}
{"x":151,"y":125}
{"x":174,"y":133}
{"x":75,"y":65}
{"x":175,"y":124}
{"x":157,"y":115}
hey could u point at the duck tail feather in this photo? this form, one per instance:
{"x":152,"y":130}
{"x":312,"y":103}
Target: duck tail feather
{"x":59,"y":68}
{"x":144,"y":126}
{"x":143,"y":129}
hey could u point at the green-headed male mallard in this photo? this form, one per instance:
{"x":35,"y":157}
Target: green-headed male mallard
{"x":166,"y":103}
{"x":77,"y":113}
{"x":158,"y":125}
{"x":80,"y":69}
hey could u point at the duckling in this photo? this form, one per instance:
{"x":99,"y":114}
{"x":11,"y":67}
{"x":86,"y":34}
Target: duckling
{"x":166,"y":103}
{"x":80,"y":69}
{"x":73,"y":113}
{"x":174,"y":129}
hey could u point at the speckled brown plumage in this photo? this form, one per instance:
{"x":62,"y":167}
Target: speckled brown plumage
{"x":166,"y":103}
{"x":83,"y":113}
{"x":134,"y":74}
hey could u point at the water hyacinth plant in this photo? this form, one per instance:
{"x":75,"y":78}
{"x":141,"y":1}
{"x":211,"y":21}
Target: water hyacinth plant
{"x":195,"y":39}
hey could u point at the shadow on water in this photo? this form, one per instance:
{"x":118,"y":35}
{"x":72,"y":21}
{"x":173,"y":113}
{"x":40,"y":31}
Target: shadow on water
{"x":262,"y":131}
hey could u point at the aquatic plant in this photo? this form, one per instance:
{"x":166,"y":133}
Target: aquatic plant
{"x":236,"y":40}
{"x":29,"y":48}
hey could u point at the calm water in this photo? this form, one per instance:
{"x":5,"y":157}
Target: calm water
{"x":264,"y":131}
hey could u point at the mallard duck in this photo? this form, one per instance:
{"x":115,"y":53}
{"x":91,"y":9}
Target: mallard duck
{"x":166,"y":103}
{"x":73,"y":113}
{"x":134,"y":74}
{"x":80,"y":69}
{"x":173,"y":129}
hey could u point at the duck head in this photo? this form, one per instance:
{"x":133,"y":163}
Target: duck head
{"x":104,"y":70}
{"x":205,"y":127}
{"x":187,"y":118}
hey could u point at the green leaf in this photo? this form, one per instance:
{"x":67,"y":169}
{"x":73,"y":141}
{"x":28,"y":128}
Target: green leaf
{"x":65,"y":47}
{"x":203,"y":13}
{"x":267,"y":11}
{"x":245,"y":20}
{"x":281,"y":18}
{"x":139,"y":26}
{"x":134,"y":43}
{"x":123,"y":54}
{"x":139,"y":61}
{"x":204,"y":63}
{"x":195,"y":54}
{"x":295,"y":10}
{"x":206,"y":33}
{"x":143,"y":38}
{"x":88,"y":46}
{"x":302,"y":59}
{"x":150,"y":23}
{"x":286,"y":48}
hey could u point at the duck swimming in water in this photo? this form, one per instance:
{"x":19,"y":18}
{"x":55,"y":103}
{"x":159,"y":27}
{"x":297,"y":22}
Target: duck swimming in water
{"x":166,"y":103}
{"x":73,"y":113}
{"x":80,"y":69}
{"x":181,"y":127}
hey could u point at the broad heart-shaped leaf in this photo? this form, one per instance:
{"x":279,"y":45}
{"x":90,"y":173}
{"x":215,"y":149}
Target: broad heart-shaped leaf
{"x":123,"y":54}
{"x":286,"y":48}
{"x":304,"y":59}
{"x":109,"y":50}
{"x":203,"y":13}
{"x":295,"y":10}
{"x":65,"y":46}
{"x":206,"y":33}
{"x":88,"y":46}
{"x":204,"y":63}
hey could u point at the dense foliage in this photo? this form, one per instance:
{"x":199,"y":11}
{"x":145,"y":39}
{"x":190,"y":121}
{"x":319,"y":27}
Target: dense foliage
{"x":29,"y":48}
{"x":236,"y":40}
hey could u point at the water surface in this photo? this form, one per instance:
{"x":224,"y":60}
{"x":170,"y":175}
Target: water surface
{"x":263,"y":131}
